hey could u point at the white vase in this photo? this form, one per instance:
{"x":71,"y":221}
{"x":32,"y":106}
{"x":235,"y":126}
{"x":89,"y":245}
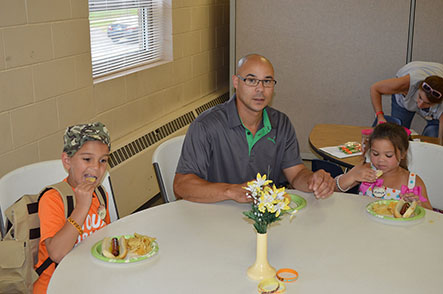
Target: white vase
{"x":261,"y":269}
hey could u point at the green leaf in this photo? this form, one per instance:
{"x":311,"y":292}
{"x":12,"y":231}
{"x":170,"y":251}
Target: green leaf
{"x":260,"y":228}
{"x":249,"y":214}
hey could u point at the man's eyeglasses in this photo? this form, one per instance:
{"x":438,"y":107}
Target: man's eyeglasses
{"x":428,"y":89}
{"x":253,"y":82}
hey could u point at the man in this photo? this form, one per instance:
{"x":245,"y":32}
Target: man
{"x":417,"y":88}
{"x":229,"y":144}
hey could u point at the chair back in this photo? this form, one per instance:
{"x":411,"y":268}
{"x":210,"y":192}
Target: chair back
{"x":430,"y":130}
{"x":31,"y":179}
{"x":332,"y":168}
{"x":390,"y":119}
{"x":426,"y":160}
{"x":165,"y":160}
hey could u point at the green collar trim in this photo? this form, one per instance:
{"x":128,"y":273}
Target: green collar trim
{"x":260,"y":133}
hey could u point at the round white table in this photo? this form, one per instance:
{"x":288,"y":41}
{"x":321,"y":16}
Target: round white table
{"x":334,"y":244}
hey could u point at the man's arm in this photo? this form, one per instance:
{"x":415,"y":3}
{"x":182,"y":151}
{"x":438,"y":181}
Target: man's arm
{"x":320,"y":182}
{"x":387,"y":87}
{"x":193,"y":188}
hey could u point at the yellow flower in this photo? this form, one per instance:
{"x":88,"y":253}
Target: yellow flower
{"x":256,"y":187}
{"x":262,"y":207}
{"x":279,"y":193}
{"x":266,"y":200}
{"x":268,"y":203}
{"x":261,"y":181}
{"x":281,"y":205}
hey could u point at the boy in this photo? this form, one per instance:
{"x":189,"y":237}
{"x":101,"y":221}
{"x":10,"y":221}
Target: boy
{"x":85,"y":157}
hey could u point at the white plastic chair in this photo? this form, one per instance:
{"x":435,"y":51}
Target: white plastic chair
{"x":165,"y":160}
{"x":31,"y":179}
{"x":426,"y":160}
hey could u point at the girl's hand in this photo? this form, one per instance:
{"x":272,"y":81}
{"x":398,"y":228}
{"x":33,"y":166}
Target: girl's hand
{"x":410,"y":197}
{"x":363,"y":173}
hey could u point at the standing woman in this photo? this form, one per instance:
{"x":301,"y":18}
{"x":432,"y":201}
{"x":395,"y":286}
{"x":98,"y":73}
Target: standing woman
{"x":417,"y":88}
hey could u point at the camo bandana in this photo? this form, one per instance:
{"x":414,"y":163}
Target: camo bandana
{"x":77,"y":135}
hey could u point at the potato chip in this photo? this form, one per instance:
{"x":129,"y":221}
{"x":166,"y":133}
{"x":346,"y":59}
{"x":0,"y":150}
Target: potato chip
{"x":384,"y":209}
{"x":381,"y":209}
{"x":378,"y":173}
{"x":140,"y":244}
{"x":90,"y":179}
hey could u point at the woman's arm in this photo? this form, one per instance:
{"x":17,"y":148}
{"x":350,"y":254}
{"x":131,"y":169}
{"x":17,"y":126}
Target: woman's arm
{"x":387,"y":87}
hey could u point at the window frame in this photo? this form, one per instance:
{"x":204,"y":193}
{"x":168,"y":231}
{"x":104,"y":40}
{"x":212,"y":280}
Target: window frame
{"x":154,"y":19}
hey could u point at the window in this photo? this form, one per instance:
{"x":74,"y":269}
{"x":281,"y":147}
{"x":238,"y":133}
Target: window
{"x":124,"y":34}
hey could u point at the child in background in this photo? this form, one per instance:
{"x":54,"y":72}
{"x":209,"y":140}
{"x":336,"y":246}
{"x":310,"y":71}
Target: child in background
{"x":85,"y":157}
{"x":387,"y":175}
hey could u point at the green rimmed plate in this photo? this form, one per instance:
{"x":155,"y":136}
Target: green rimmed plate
{"x":418,"y":214}
{"x":96,"y":251}
{"x":297,"y":202}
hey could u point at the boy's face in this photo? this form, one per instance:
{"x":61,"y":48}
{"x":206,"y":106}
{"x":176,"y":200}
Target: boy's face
{"x":91,"y":160}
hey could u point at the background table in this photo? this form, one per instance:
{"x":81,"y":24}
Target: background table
{"x":326,"y":135}
{"x":206,"y":248}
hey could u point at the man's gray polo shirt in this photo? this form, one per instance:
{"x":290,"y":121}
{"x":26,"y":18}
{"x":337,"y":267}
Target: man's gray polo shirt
{"x":216,"y":149}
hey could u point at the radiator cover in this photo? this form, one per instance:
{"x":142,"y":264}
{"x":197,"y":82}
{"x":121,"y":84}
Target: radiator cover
{"x":131,"y":170}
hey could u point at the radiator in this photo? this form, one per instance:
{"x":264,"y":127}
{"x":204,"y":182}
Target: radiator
{"x":132,"y":174}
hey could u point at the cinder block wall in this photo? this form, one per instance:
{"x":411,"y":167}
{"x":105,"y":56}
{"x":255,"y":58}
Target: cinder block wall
{"x":46,"y":76}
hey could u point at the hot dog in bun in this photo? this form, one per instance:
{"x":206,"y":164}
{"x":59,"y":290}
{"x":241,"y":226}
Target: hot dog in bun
{"x":404,"y":209}
{"x":115,"y":247}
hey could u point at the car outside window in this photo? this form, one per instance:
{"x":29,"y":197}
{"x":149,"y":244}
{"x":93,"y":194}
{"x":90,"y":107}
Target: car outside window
{"x":124,"y":34}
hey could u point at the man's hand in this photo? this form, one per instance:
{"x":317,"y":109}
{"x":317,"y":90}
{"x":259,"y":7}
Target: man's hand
{"x":238,"y":193}
{"x":322,"y":184}
{"x":193,"y":188}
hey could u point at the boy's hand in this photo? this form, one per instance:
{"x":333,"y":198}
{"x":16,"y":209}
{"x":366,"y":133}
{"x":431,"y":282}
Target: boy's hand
{"x":83,"y":193}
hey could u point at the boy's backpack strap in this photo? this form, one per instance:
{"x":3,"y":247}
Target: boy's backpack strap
{"x":44,"y":266}
{"x":101,"y":195}
{"x":66,"y":193}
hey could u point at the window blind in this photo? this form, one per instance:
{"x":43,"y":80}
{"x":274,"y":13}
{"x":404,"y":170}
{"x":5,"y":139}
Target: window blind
{"x":124,"y":34}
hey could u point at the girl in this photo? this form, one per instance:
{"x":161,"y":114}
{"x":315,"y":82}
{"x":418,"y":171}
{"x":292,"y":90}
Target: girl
{"x":387,"y":175}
